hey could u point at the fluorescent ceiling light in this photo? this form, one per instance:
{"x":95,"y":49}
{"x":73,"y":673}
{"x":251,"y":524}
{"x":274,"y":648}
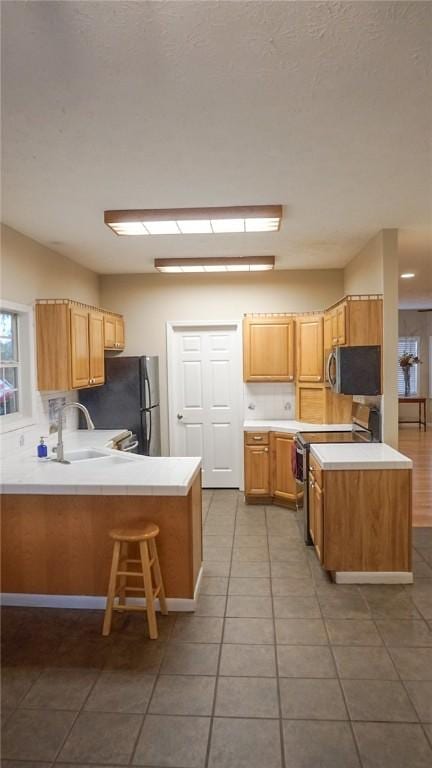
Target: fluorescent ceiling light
{"x":161,"y":227}
{"x":262,"y":225}
{"x":216,"y":264}
{"x":195,"y":227}
{"x":195,"y":221}
{"x":407,"y":275}
{"x":129,"y":228}
{"x":227,"y":225}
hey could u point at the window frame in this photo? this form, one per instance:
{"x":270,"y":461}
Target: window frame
{"x":25,"y":416}
{"x":414,"y":379}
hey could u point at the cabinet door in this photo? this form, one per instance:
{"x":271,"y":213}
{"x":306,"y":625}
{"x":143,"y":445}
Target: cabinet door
{"x":80,"y":358}
{"x":310,"y":350}
{"x":311,"y":491}
{"x":257,"y":471}
{"x":268,"y":349}
{"x":96,"y":348}
{"x":109,"y":331}
{"x":334,"y":327}
{"x":283,"y":482}
{"x":119,"y":333}
{"x":318,"y":505}
{"x":341,"y":324}
{"x":310,"y":403}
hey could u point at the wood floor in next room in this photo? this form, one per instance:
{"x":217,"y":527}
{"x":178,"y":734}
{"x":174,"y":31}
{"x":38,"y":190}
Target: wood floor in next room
{"x":418,"y":446}
{"x":278,"y":668}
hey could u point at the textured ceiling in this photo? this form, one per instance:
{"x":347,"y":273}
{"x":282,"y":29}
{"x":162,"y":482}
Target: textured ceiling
{"x":323,"y":107}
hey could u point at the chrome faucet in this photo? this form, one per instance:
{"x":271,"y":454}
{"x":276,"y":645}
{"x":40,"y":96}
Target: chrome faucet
{"x":59,"y":449}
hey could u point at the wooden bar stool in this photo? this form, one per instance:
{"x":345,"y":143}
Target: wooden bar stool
{"x":145,"y":537}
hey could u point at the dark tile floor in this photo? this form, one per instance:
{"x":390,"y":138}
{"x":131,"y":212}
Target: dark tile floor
{"x":278,"y":668}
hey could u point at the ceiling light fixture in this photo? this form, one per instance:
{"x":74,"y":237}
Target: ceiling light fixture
{"x":407,"y":275}
{"x":195,"y":221}
{"x":216,"y":264}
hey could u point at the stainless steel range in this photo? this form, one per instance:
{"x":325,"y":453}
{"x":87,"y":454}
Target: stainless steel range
{"x":366,"y":428}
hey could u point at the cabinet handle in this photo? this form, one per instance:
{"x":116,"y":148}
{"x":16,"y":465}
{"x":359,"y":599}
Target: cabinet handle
{"x":265,"y":450}
{"x":257,"y":438}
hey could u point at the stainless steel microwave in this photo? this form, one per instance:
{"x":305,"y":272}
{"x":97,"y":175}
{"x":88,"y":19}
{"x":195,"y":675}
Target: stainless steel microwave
{"x":355,"y":370}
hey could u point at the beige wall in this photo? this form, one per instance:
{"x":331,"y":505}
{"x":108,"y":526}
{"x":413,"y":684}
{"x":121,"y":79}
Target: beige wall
{"x":364,"y":272}
{"x":148,"y":301}
{"x":375,"y":270}
{"x":30,"y":271}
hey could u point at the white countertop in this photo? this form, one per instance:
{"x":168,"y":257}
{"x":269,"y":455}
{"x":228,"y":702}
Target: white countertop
{"x":359,"y":456}
{"x":118,"y":474}
{"x":291,"y":426}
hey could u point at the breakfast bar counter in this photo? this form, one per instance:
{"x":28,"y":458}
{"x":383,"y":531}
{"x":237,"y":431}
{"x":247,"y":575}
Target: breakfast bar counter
{"x":56,"y":518}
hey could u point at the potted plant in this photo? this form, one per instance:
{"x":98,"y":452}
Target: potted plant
{"x":406,"y":362}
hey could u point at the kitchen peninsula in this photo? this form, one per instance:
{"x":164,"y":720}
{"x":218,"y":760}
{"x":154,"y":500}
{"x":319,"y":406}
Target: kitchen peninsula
{"x":56,"y":517}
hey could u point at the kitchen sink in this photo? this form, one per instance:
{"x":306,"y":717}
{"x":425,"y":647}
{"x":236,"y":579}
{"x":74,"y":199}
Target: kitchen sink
{"x":84,"y":454}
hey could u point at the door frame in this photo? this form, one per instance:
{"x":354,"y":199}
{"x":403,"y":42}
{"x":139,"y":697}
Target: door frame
{"x":171,"y":328}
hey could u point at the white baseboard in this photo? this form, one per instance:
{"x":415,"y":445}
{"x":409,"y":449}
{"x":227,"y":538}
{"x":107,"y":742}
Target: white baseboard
{"x":198,"y":584}
{"x":94,"y":602}
{"x":373,"y":577}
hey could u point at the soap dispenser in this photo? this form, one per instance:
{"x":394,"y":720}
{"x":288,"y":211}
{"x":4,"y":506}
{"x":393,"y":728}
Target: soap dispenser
{"x":42,"y":450}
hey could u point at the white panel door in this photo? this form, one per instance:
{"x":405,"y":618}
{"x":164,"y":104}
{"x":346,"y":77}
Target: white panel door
{"x":206,"y":409}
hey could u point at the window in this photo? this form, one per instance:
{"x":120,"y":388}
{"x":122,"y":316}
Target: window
{"x":411,"y":345}
{"x":9,"y":363}
{"x":17,"y":396}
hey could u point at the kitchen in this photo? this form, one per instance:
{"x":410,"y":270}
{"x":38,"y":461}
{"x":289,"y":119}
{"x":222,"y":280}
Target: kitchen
{"x":273,"y":651}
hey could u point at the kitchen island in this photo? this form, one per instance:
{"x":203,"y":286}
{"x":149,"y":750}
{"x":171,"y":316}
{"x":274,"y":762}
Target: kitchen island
{"x":360,"y":512}
{"x":56,"y":517}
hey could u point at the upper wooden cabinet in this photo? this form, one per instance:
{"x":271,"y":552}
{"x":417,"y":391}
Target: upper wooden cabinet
{"x":79,"y":347}
{"x":356,"y":321}
{"x":114,"y":334}
{"x":310,"y":358}
{"x":70,"y":342}
{"x":268,"y":348}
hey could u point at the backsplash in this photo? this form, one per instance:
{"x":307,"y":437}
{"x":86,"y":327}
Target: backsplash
{"x":269,"y":401}
{"x":44,"y":420}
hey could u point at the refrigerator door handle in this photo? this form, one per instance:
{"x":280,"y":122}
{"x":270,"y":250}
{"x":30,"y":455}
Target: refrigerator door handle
{"x":147,"y":403}
{"x":150,"y":431}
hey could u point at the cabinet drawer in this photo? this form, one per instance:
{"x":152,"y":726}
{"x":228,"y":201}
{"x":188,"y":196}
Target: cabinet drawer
{"x":315,"y":470}
{"x":256,"y":438}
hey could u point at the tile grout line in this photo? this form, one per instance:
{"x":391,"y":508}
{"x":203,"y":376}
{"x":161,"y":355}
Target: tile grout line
{"x":157,"y":676}
{"x":212,"y":715}
{"x":350,"y":722}
{"x":281,"y":730}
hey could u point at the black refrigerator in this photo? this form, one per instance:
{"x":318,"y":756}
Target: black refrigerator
{"x":129,"y":399}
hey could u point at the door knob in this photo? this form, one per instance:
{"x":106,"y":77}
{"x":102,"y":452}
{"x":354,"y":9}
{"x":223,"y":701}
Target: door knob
{"x":179,"y":416}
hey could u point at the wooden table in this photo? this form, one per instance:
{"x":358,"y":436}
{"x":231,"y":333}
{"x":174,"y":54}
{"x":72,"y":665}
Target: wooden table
{"x":421,"y":402}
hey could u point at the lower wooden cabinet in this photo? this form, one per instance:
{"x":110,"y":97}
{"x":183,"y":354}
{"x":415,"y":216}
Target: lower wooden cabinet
{"x":257,"y":471}
{"x":360,"y":520}
{"x":316,"y":511}
{"x":268,"y":468}
{"x":283,"y":482}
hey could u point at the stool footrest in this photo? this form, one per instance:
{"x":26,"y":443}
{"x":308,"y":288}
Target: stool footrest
{"x":129,"y":608}
{"x":129,"y":573}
